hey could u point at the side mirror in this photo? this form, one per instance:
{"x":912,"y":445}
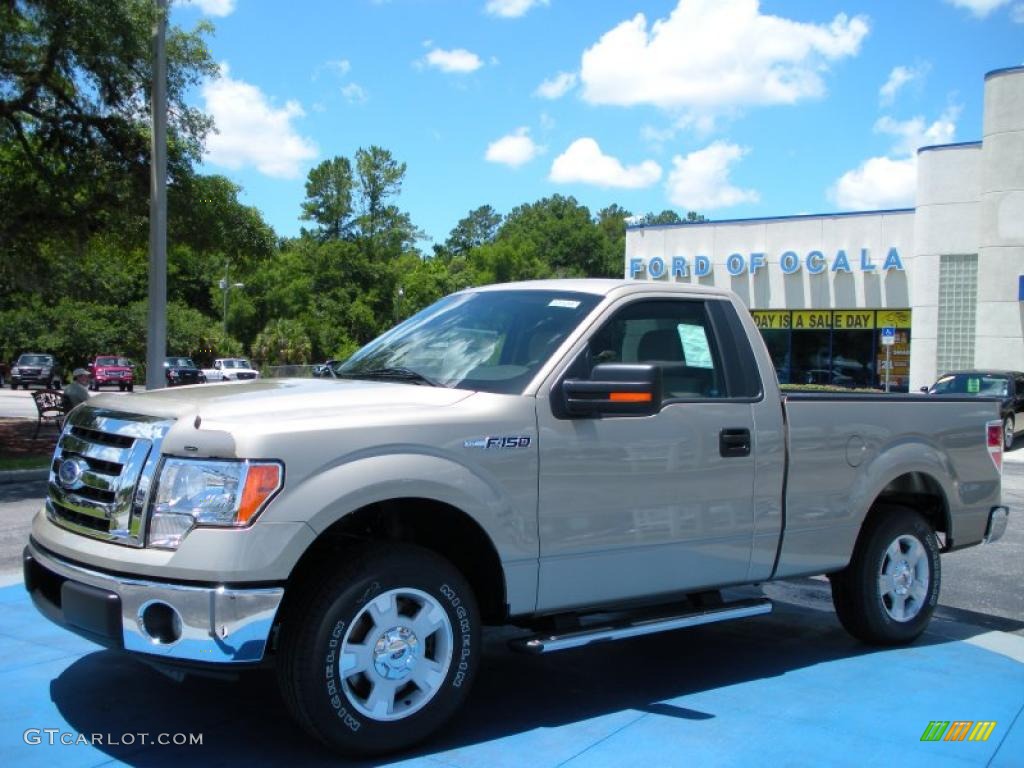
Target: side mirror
{"x":614,"y":389}
{"x":925,"y":390}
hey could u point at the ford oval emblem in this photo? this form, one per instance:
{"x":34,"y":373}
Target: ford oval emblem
{"x":71,"y":471}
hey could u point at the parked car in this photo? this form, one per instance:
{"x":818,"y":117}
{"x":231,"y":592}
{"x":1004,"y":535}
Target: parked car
{"x":181,"y":370}
{"x":37,"y":368}
{"x":1008,"y":386}
{"x":589,"y":459}
{"x":324,"y":369}
{"x":231,"y":369}
{"x":111,"y":371}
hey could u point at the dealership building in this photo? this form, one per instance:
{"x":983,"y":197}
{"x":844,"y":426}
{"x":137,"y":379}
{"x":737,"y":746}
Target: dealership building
{"x":848,"y":298}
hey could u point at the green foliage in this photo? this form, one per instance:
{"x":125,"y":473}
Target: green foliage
{"x":74,"y":136}
{"x":329,"y":198}
{"x":282,"y":342}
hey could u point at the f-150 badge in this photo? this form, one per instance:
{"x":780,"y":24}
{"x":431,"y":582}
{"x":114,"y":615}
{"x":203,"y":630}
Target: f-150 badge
{"x":506,"y":441}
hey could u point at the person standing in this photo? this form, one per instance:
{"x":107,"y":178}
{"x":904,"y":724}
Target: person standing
{"x":77,"y":391}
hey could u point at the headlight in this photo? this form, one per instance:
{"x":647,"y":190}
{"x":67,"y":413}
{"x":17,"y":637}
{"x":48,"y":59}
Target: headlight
{"x":191,"y":493}
{"x":46,"y":370}
{"x":15,"y":370}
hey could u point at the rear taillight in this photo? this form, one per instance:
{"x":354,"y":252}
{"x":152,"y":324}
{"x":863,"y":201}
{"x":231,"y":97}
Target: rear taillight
{"x":994,"y":442}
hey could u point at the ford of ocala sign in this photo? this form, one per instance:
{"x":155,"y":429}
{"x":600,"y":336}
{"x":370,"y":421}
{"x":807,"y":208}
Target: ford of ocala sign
{"x":789,"y":262}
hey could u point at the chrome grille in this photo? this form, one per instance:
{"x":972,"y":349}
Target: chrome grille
{"x":112,"y":458}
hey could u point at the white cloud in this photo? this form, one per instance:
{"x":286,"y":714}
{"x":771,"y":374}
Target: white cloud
{"x":212,"y":7}
{"x":700,"y":181}
{"x":891,"y":181}
{"x":879,"y":182}
{"x":354,"y":93}
{"x":251,"y":131}
{"x":715,"y":55}
{"x":913,"y":134}
{"x":556,"y":87}
{"x":1017,"y":13}
{"x":980,"y":8}
{"x":584,"y":162}
{"x":511,"y":9}
{"x":898,"y":78}
{"x":458,"y":61}
{"x":515,"y":149}
{"x":339,"y":66}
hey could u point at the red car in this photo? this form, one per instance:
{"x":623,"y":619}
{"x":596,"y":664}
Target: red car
{"x":111,"y":371}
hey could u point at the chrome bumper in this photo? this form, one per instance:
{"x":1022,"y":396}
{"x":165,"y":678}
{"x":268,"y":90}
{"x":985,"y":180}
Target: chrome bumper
{"x":998,"y":517}
{"x":218,"y":625}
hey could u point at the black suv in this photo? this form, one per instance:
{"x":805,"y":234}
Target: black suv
{"x":181,"y":370}
{"x":37,"y":368}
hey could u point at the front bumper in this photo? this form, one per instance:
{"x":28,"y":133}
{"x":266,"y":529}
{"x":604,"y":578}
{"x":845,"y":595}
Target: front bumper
{"x":211,"y":624}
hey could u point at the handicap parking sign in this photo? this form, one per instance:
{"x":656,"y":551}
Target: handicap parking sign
{"x":888,"y":336}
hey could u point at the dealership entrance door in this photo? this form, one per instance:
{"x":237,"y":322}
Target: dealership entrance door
{"x":841,"y":347}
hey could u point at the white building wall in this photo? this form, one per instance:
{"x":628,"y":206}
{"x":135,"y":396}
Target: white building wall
{"x":1000,"y":322}
{"x":945,"y":222}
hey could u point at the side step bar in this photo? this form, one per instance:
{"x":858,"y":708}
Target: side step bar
{"x":740,"y":609}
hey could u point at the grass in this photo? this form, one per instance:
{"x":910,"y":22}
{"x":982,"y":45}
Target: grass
{"x":24,"y":462}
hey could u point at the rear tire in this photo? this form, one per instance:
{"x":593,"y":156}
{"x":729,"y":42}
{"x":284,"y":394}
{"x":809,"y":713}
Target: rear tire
{"x":888,"y":592}
{"x":377,"y":654}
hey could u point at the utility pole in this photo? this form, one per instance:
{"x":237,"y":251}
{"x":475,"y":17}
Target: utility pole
{"x":226,"y":287}
{"x":156,"y":336}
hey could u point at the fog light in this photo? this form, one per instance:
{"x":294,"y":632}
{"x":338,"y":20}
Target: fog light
{"x":160,"y":622}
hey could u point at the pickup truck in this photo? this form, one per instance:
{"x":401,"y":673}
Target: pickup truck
{"x":231,"y":369}
{"x":37,"y":368}
{"x":113,"y":371}
{"x":588,"y":460}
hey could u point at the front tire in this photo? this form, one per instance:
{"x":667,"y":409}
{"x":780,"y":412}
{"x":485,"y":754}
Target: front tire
{"x":1008,"y":430}
{"x":888,"y":592}
{"x":376,"y":655}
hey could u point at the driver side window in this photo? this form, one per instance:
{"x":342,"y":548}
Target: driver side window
{"x":675,"y":334}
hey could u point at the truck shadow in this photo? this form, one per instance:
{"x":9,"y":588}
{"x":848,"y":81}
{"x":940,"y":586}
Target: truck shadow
{"x":245,"y":722}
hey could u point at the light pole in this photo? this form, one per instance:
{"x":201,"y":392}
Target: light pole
{"x":226,"y":287}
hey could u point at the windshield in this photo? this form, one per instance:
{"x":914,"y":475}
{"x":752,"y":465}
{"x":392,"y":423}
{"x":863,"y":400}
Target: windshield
{"x":112,"y":361}
{"x":180,"y":362}
{"x":34,"y":360}
{"x":236,"y":364}
{"x":493,"y":341}
{"x":983,"y":384}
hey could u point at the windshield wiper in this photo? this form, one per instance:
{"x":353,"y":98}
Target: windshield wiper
{"x":395,"y":372}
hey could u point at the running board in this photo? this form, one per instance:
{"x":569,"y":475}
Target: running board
{"x":740,"y":609}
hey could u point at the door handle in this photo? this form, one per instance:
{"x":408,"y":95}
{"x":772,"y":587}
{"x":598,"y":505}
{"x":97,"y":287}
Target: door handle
{"x":734,"y":442}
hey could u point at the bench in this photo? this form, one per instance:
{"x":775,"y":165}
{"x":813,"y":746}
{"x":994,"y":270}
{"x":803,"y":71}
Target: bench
{"x":50,"y":405}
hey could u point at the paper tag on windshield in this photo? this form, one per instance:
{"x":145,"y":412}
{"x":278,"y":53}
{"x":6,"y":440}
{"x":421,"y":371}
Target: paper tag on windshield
{"x":974,"y":386}
{"x":564,"y":303}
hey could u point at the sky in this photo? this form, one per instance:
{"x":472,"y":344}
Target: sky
{"x":731,"y":108}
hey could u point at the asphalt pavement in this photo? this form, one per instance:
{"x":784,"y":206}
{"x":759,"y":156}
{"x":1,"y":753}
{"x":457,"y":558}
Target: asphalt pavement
{"x":18,"y":403}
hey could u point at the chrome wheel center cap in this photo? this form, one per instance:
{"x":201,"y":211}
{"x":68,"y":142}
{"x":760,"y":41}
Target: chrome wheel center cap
{"x":902,"y":578}
{"x":395,"y":653}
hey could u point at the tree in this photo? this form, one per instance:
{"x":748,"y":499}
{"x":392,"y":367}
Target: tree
{"x":671,"y":217}
{"x":74,"y":136}
{"x":476,"y":228}
{"x":282,"y":342}
{"x":557,"y":231}
{"x":329,"y":198}
{"x":385,"y":230}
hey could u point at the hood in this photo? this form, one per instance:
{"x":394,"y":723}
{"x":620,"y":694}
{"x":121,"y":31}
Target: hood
{"x":280,"y":399}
